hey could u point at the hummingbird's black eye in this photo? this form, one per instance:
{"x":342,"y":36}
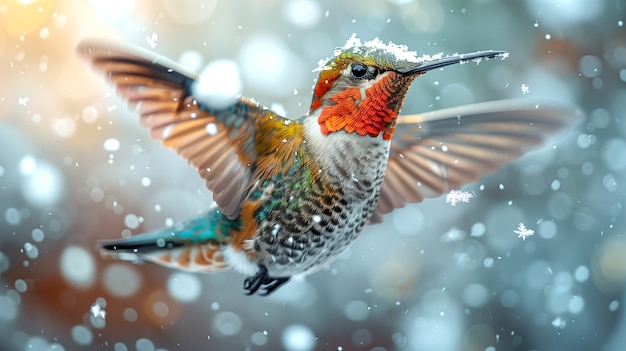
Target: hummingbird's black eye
{"x":362,"y":71}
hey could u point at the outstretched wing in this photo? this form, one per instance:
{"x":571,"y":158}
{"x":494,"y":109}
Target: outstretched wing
{"x":218,"y":142}
{"x":433,"y":153}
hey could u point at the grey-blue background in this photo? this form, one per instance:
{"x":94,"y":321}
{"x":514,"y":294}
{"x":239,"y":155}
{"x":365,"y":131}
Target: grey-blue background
{"x":76,"y":168}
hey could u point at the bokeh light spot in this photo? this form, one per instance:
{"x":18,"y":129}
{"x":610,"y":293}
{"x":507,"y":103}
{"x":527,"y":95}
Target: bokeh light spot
{"x":297,"y":337}
{"x":609,"y":265}
{"x":43,"y":186}
{"x":218,"y":84}
{"x":576,"y":304}
{"x":160,"y":309}
{"x":302,"y":13}
{"x":37,"y":235}
{"x":184,"y":287}
{"x":77,"y":266}
{"x":81,"y":335}
{"x":581,"y":274}
{"x":475,"y":295}
{"x":590,"y":66}
{"x":259,"y":338}
{"x":121,"y":280}
{"x":281,"y":70}
{"x":408,"y":220}
{"x":144,"y":344}
{"x":27,"y":165}
{"x":64,"y":127}
{"x":356,"y":310}
{"x":189,"y":12}
{"x":12,"y":216}
{"x":614,"y":154}
{"x":130,"y":314}
{"x":227,"y":323}
{"x":191,"y":60}
{"x":89,"y":114}
{"x":547,"y":229}
{"x":111,"y":145}
{"x":8,"y":308}
{"x":556,"y":14}
{"x":131,"y":221}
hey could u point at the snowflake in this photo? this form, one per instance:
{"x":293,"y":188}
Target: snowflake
{"x":525,"y":89}
{"x":456,"y":196}
{"x":152,"y":40}
{"x":22,"y":101}
{"x":523,"y":232}
{"x":97,"y":311}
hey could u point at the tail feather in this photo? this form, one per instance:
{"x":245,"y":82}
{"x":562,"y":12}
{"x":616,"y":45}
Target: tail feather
{"x":144,"y":243}
{"x":206,"y":257}
{"x":194,"y":245}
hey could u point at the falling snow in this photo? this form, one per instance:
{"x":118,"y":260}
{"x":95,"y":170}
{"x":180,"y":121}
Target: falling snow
{"x":152,"y":40}
{"x":456,"y":196}
{"x":523,"y":232}
{"x":76,"y":167}
{"x":97,"y":311}
{"x":525,"y":89}
{"x":398,"y":52}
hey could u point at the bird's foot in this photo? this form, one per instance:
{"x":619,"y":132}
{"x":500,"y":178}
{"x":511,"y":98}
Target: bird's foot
{"x":262,"y":280}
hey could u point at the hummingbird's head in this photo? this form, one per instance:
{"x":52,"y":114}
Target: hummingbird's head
{"x":362,"y":87}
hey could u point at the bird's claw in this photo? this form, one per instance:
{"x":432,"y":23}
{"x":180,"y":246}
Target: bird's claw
{"x":262,"y":280}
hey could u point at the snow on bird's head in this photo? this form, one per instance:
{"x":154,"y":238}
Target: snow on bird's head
{"x":375,"y":51}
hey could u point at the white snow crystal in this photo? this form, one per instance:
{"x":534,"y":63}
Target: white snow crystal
{"x":97,"y":311}
{"x":525,"y":89}
{"x":22,"y":101}
{"x":152,"y":40}
{"x":391,"y":52}
{"x":456,"y":196}
{"x":354,"y":44}
{"x":523,"y":232}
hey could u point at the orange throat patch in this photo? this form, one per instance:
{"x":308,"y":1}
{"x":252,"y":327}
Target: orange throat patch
{"x":371,"y":114}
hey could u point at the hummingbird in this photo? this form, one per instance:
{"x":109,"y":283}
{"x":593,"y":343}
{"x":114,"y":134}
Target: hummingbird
{"x":292,"y":194}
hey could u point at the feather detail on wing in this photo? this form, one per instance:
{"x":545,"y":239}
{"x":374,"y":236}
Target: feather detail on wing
{"x":433,"y":153}
{"x":220,"y":143}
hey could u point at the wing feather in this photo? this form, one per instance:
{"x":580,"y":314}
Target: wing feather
{"x":436,"y":152}
{"x":215,"y":141}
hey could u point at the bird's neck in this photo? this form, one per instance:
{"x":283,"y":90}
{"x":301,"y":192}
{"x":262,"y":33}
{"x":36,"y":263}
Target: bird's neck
{"x":368,"y":109}
{"x":346,"y":155}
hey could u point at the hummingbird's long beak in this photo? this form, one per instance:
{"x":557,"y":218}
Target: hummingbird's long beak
{"x":429,"y":65}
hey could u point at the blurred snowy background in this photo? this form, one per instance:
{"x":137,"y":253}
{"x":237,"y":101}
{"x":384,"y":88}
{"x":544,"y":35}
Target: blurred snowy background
{"x":76,"y":168}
